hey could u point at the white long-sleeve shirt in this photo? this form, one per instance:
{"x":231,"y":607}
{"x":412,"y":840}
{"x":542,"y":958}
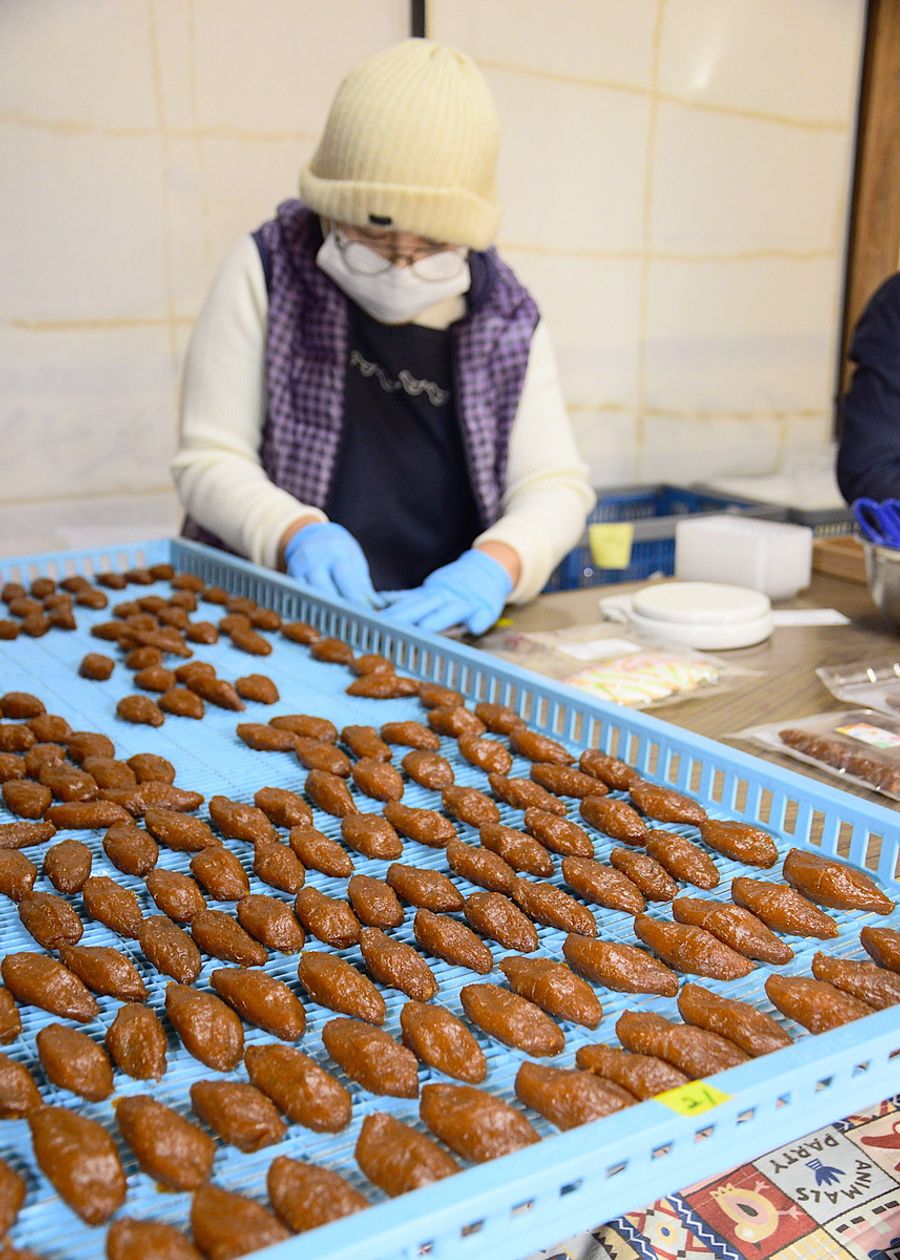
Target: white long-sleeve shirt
{"x":224,"y":487}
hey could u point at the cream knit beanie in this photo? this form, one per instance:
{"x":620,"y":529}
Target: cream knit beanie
{"x":411,"y":144}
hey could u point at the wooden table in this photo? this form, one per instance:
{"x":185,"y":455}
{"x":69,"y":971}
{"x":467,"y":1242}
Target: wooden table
{"x":785,"y":687}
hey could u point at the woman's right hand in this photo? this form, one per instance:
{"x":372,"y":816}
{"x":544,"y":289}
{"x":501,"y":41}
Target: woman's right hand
{"x":328,"y":560}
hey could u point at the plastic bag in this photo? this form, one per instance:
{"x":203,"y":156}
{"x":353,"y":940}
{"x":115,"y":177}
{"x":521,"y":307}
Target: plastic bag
{"x":870,"y":684}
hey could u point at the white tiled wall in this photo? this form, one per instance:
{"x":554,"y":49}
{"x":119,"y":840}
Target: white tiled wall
{"x":674,"y":174}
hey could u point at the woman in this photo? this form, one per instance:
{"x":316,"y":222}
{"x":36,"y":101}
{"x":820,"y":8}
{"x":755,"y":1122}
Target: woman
{"x":370,"y":397}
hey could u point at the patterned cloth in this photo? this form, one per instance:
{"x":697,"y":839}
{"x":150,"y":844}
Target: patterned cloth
{"x":834,"y":1195}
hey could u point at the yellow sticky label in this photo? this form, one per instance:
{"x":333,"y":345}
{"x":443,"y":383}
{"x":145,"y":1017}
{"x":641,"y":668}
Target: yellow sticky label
{"x":611,"y":544}
{"x":692,"y":1099}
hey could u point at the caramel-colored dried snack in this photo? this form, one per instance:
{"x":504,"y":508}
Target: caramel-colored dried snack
{"x":411,"y":735}
{"x":603,"y":885}
{"x":454,"y":720}
{"x":426,"y":826}
{"x":317,"y":754}
{"x":137,"y":1043}
{"x":334,"y":651}
{"x":169,"y":1148}
{"x":643,"y":1075}
{"x":50,"y":920}
{"x":175,"y":894}
{"x":554,"y":988}
{"x":143,"y":658}
{"x":182,"y":702}
{"x":739,"y":841}
{"x":397,"y":965}
{"x":442,"y":1041}
{"x":480,"y":866}
{"x":17,"y":874}
{"x":74,"y":1062}
{"x":665,"y":804}
{"x":216,"y":691}
{"x":256,"y":687}
{"x":129,"y":1239}
{"x":264,"y":738}
{"x":883,"y":945}
{"x":9,"y":629}
{"x":169,"y":949}
{"x":240,"y":822}
{"x":332,"y":982}
{"x":130,"y":849}
{"x":431,"y":890}
{"x":816,"y":1004}
{"x":498,"y":718}
{"x":220,"y":873}
{"x":326,"y":918}
{"x":454,"y":942}
{"x":782,"y":908}
{"x":873,"y":985}
{"x":21,"y":835}
{"x":320,"y":852}
{"x":300,"y":632}
{"x":470,"y":806}
{"x":305,"y":1196}
{"x":248,"y":640}
{"x":487,"y":754}
{"x":219,"y":935}
{"x":84,"y":744}
{"x":430,"y":770}
{"x":105,"y":970}
{"x":68,"y":865}
{"x":371,"y":835}
{"x":261,"y":999}
{"x":694,"y":1051}
{"x":110,"y":903}
{"x":734,"y":925}
{"x":67,"y":783}
{"x":80,"y":1158}
{"x":12,"y":1196}
{"x":15,"y":738}
{"x":496,"y":917}
{"x":364,"y":741}
{"x":36,"y":980}
{"x":691,"y":949}
{"x":271,"y":922}
{"x":547,"y":904}
{"x":476,"y":1125}
{"x":397,"y":1158}
{"x":278,"y":866}
{"x":283,"y":808}
{"x":372,"y":663}
{"x":21,"y":704}
{"x":524,"y":794}
{"x":155,"y":678}
{"x":210,"y":1030}
{"x":299,"y":1088}
{"x":372,"y":1058}
{"x":26,"y":799}
{"x":832,"y":883}
{"x":569,"y":1098}
{"x":14,"y":767}
{"x":437,"y":696}
{"x":614,"y":818}
{"x":140,"y":710}
{"x":18,"y":1093}
{"x":330,"y":793}
{"x":683,"y":859}
{"x":138,"y":800}
{"x":521,"y":852}
{"x":751,"y":1030}
{"x":566,"y":780}
{"x":151,"y":768}
{"x":81,"y":816}
{"x":538,"y":747}
{"x":653,"y":880}
{"x":622,"y":968}
{"x":378,"y":779}
{"x":512,"y":1019}
{"x":383,"y":686}
{"x":51,"y":727}
{"x":558,"y":834}
{"x":107,"y":772}
{"x":374,"y":902}
{"x":240,"y":1114}
{"x":177,"y":831}
{"x":206,"y":632}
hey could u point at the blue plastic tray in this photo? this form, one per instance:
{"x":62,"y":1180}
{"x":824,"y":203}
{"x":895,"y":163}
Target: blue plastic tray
{"x":569,"y":1181}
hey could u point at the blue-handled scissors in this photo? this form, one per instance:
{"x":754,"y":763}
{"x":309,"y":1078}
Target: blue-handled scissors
{"x":879,"y":522}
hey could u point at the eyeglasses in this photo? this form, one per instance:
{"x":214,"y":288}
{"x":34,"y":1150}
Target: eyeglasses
{"x":363,"y":259}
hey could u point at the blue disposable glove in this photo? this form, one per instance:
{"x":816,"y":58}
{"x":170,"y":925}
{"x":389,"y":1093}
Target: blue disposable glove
{"x":327,"y":558}
{"x":471,"y":590}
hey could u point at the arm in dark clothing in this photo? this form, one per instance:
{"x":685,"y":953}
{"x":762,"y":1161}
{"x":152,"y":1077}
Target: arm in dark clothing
{"x":869,"y":456}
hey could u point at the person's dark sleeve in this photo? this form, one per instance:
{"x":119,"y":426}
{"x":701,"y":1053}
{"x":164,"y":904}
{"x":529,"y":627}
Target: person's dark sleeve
{"x":868,"y":460}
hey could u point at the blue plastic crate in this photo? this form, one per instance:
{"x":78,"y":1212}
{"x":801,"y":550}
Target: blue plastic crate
{"x":654,"y":512}
{"x":505,"y":1209}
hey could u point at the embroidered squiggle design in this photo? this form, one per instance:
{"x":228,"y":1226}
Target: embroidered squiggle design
{"x":410,"y":384}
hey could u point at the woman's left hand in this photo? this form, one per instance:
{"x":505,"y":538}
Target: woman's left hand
{"x":470,"y":591}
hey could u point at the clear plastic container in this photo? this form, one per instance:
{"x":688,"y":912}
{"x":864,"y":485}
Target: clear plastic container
{"x":873,"y":684}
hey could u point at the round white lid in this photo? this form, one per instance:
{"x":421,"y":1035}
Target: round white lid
{"x":693,"y":603}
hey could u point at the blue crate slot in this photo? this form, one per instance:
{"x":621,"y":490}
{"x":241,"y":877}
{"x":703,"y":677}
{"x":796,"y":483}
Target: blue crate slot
{"x":505,"y":1209}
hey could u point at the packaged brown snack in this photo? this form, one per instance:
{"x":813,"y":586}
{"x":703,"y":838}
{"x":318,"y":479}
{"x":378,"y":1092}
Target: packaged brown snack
{"x":428,"y":889}
{"x":397,"y":1158}
{"x":480,"y":866}
{"x":569,"y":1098}
{"x":175,"y":894}
{"x":397,"y":965}
{"x":21,"y":835}
{"x":524,"y":794}
{"x":665,"y":804}
{"x":17,"y":874}
{"x":261,"y":999}
{"x":643,"y":1075}
{"x":430,"y":770}
{"x":220,"y":874}
{"x":371,"y":835}
{"x":426,"y":826}
{"x":488,"y":755}
{"x":558,"y":834}
{"x":209,"y":1029}
{"x":547,"y":904}
{"x":538,"y":747}
{"x":110,"y":903}
{"x":151,"y":768}
{"x":137,"y":1043}
{"x":26,"y":799}
{"x":883,"y":945}
{"x":74,"y":1062}
{"x":104,"y":970}
{"x":410,"y":735}
{"x":554,"y":988}
{"x":521,"y":852}
{"x":444,"y":938}
{"x":512,"y":1019}
{"x":326,"y":918}
{"x":470,"y":806}
{"x":734,"y":925}
{"x":330,"y":793}
{"x":226,"y":1224}
{"x":258,"y":688}
{"x":220,"y":936}
{"x":18,"y":1093}
{"x":12,"y":1195}
{"x":442,"y":1041}
{"x":36,"y":980}
{"x":372,"y":1058}
{"x":130,"y":849}
{"x":80,"y":1158}
{"x":240,"y":822}
{"x":683,"y":859}
{"x":832,"y":883}
{"x":474,"y":1124}
{"x":50,"y":920}
{"x":303,"y":1091}
{"x":169,"y":949}
{"x":739,"y":841}
{"x":653,"y":880}
{"x":271,"y":922}
{"x":782,"y":908}
{"x":319,"y":852}
{"x":622,"y":968}
{"x":497,"y":918}
{"x":10,"y":1019}
{"x":283,"y":808}
{"x":691,"y":949}
{"x":566,"y":780}
{"x":751,"y":1030}
{"x":130,"y":1239}
{"x":876,"y":986}
{"x":374,"y":902}
{"x":332,"y":982}
{"x":305,"y":1196}
{"x":692,"y":1050}
{"x":364,"y":741}
{"x":179,"y":832}
{"x":603,"y":885}
{"x":614,"y":818}
{"x":316,"y":754}
{"x":240,"y":1114}
{"x":815,"y":1004}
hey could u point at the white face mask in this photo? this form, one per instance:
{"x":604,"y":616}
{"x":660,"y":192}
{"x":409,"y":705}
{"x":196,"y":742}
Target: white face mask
{"x":393,"y":296}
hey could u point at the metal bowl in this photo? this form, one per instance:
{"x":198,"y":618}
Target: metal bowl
{"x":883,"y":576}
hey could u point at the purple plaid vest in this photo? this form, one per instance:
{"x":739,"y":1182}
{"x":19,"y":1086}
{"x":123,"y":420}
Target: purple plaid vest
{"x":307,"y":350}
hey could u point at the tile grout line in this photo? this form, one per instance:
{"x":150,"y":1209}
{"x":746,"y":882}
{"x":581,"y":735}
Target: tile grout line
{"x":197,"y":132}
